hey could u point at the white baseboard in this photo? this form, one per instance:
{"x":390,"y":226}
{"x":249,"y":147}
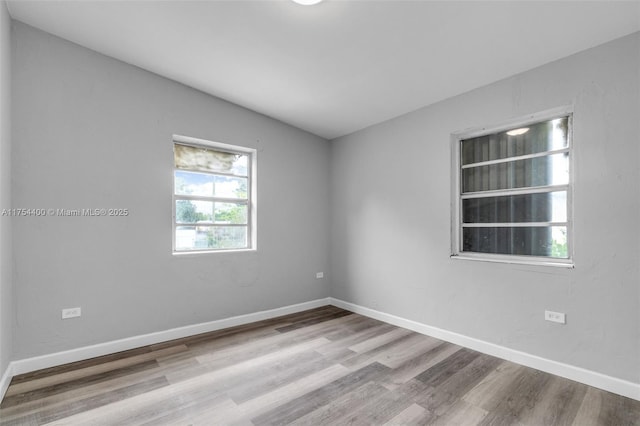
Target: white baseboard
{"x":598,"y":380}
{"x":5,"y":380}
{"x":591,"y":378}
{"x":51,"y":360}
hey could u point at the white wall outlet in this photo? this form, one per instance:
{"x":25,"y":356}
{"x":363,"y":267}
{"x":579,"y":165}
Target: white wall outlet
{"x":71,"y":313}
{"x":319,"y":274}
{"x":558,"y":317}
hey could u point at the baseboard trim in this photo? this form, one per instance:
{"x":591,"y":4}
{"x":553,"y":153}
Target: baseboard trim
{"x":87,"y":352}
{"x":6,"y":380}
{"x":591,"y":378}
{"x":578,"y":374}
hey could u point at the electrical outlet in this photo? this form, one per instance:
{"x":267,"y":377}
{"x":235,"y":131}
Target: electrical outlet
{"x":319,"y":274}
{"x":558,"y":317}
{"x":71,"y":313}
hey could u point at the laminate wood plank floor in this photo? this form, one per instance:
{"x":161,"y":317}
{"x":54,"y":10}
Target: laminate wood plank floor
{"x":325,"y":366}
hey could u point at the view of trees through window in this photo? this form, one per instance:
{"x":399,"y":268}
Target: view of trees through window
{"x":211,"y":193}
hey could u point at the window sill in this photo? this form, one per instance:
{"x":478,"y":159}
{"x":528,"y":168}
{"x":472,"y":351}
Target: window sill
{"x":199,"y":252}
{"x":515,"y":260}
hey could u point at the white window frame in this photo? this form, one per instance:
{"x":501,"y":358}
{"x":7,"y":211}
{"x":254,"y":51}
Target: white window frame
{"x":251,"y":193}
{"x":456,"y":190}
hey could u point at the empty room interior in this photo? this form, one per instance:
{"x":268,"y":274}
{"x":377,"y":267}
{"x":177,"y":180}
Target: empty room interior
{"x":345,"y":212}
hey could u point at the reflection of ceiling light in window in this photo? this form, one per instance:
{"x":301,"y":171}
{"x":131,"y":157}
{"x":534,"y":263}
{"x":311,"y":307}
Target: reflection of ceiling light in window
{"x":516,"y":132}
{"x":307,"y":2}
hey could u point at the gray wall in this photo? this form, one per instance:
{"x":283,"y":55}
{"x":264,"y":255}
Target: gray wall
{"x":90,"y":131}
{"x":391,"y":219}
{"x":6,"y":289}
{"x":93,"y":132}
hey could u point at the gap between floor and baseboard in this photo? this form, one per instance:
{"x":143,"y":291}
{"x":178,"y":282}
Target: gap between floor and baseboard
{"x":588,"y":377}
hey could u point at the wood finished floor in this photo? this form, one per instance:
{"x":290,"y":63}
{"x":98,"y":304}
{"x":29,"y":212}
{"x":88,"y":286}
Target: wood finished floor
{"x":325,"y":366}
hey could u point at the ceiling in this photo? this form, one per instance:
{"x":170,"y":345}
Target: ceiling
{"x":338,"y":66}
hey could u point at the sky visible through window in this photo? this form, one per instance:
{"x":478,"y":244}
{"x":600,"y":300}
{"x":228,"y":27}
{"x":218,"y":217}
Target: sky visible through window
{"x":211,"y":193}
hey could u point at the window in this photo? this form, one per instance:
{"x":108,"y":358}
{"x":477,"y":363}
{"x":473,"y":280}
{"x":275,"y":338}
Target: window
{"x":213,"y":196}
{"x":512,"y":189}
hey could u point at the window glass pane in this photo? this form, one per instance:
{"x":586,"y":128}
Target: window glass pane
{"x":232,"y":213}
{"x":197,"y":211}
{"x":231,"y":187}
{"x":526,"y":241}
{"x":185,"y":237}
{"x":194,"y":211}
{"x":540,"y":137}
{"x":540,"y":171}
{"x":209,"y":160}
{"x":210,"y":237}
{"x":543,"y":207}
{"x":190,"y":183}
{"x":207,"y":185}
{"x":241,"y":165}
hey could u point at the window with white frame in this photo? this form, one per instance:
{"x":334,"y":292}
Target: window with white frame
{"x":212,"y":197}
{"x":512,"y":189}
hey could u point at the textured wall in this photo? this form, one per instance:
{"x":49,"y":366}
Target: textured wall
{"x":93,"y":132}
{"x":391,"y":218}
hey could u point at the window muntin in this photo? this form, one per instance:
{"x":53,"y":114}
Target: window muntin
{"x":212,"y":197}
{"x":513,"y":192}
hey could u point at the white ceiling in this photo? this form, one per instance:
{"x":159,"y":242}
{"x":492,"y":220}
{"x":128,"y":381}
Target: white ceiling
{"x":339,"y":66}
